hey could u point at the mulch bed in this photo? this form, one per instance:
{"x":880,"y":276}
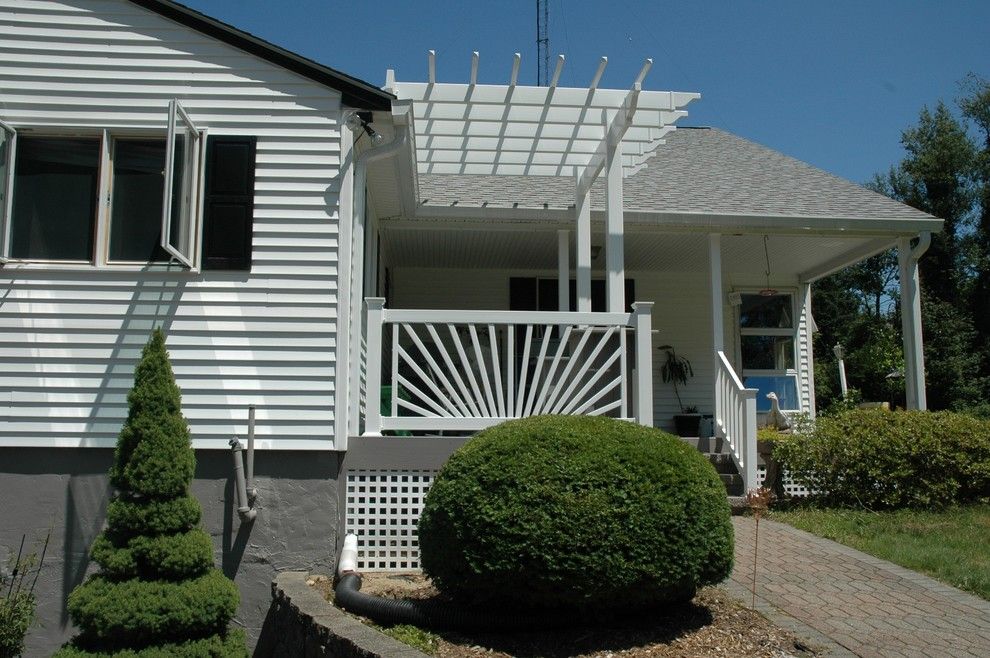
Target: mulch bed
{"x":712,"y":625}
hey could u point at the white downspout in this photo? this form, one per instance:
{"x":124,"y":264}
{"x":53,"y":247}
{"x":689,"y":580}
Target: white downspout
{"x":354,"y":289}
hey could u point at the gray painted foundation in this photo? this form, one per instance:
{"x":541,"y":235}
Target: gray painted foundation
{"x":67,"y":490}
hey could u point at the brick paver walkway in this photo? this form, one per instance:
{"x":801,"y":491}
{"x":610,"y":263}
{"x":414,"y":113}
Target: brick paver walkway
{"x":853,"y":603}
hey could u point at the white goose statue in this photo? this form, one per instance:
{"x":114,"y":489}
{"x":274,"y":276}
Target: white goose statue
{"x":777,"y":418}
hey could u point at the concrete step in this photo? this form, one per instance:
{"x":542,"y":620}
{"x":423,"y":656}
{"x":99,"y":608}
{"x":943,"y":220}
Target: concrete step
{"x":713,"y":449}
{"x":723,"y":463}
{"x":733,"y":483}
{"x":704,"y":444}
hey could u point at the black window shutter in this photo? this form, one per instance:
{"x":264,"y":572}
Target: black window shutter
{"x":228,"y":208}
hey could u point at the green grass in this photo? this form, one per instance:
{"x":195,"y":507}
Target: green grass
{"x":950,"y":545}
{"x":415,"y":637}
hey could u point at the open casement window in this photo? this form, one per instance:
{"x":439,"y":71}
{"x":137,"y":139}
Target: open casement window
{"x":184,"y":149}
{"x":8,"y":139}
{"x":767,"y":346}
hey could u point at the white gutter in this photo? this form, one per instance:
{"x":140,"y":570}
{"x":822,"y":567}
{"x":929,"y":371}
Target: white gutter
{"x":351,"y":289}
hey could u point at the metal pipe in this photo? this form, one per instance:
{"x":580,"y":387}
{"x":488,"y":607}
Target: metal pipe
{"x":434,"y":613}
{"x":252,"y":493}
{"x":244,"y":509}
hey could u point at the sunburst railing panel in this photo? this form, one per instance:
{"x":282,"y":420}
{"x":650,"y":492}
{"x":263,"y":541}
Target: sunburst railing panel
{"x":466,"y":370}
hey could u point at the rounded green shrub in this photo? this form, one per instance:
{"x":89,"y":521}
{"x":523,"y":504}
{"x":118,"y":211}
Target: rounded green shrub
{"x":158,"y":593}
{"x":575,"y":512}
{"x":881,"y":459}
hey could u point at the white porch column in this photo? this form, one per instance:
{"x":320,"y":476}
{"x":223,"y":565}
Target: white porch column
{"x":615,"y":281}
{"x":373,"y":376}
{"x":563,"y":270}
{"x":643,"y":317}
{"x":715,"y":267}
{"x":914,"y":357}
{"x":582,"y":208}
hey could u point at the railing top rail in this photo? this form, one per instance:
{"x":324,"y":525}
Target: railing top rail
{"x":731,"y":371}
{"x":509,"y":317}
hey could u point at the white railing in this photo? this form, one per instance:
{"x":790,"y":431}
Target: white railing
{"x":735,"y":418}
{"x":467,"y":370}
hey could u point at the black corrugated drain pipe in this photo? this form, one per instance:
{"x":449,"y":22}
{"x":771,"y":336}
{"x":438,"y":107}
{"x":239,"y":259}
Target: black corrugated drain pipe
{"x":433,"y":614}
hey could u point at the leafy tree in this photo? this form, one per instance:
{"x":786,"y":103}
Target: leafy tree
{"x":952,"y":366}
{"x":936,"y":177}
{"x":946,"y":172}
{"x":975,"y":106}
{"x":158,"y":592}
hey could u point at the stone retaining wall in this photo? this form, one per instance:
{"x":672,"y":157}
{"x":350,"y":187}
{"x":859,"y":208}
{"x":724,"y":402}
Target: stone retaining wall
{"x":305,"y":625}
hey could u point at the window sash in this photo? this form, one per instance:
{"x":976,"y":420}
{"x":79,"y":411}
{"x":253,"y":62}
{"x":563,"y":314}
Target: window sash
{"x":9,"y":136}
{"x":56,"y":198}
{"x":120,"y":228}
{"x":773,"y":347}
{"x":791,"y":332}
{"x":180,"y":202}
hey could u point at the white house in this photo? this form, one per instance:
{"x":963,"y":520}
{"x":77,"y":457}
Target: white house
{"x":379,"y":272}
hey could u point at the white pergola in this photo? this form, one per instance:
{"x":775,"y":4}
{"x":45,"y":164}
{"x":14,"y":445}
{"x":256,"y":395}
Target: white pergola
{"x":546,"y":131}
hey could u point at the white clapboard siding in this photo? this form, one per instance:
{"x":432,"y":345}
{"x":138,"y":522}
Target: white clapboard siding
{"x":69,"y":339}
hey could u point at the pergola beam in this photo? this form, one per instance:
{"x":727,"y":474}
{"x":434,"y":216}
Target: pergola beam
{"x":613,"y":137}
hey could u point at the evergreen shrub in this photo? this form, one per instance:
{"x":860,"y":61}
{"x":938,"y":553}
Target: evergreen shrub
{"x":575,"y":512}
{"x":876,"y":458}
{"x":157,"y":593}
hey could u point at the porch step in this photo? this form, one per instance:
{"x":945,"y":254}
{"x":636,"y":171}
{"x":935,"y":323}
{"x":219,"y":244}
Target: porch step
{"x":733,"y":483}
{"x":714,"y":449}
{"x":707,"y":445}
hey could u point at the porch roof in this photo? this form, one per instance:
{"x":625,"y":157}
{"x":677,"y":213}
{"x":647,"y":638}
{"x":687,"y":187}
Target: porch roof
{"x":700,"y":172}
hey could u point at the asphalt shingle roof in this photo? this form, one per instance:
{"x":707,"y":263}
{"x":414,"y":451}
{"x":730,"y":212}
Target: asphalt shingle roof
{"x":698,"y":170}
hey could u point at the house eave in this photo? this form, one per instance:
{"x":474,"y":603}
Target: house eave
{"x":496,"y":217}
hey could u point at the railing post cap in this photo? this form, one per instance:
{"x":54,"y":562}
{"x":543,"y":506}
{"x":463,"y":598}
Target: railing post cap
{"x":375,"y":303}
{"x":642,"y":307}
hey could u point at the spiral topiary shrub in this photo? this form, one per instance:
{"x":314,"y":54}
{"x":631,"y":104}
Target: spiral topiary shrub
{"x":157,"y":593}
{"x":575,"y":512}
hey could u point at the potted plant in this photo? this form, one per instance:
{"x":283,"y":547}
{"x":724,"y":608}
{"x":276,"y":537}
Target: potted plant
{"x":676,"y":370}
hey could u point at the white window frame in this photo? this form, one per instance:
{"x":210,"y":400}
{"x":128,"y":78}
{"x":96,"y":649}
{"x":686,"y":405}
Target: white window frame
{"x":792,"y":332}
{"x":194,"y":156}
{"x":7,"y":189}
{"x":189,"y":254}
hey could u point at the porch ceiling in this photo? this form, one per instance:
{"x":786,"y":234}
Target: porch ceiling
{"x":454,"y":247}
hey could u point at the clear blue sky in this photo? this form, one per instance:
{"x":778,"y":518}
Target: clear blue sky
{"x":831,"y":82}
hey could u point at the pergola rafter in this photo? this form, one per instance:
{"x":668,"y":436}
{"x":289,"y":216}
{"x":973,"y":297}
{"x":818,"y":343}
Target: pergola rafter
{"x":543,"y":131}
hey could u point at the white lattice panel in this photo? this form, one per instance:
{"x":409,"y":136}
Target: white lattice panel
{"x":383,"y":508}
{"x":791,"y":488}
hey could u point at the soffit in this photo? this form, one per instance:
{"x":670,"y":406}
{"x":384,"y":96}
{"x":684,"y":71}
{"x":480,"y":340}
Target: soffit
{"x":661,"y":252}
